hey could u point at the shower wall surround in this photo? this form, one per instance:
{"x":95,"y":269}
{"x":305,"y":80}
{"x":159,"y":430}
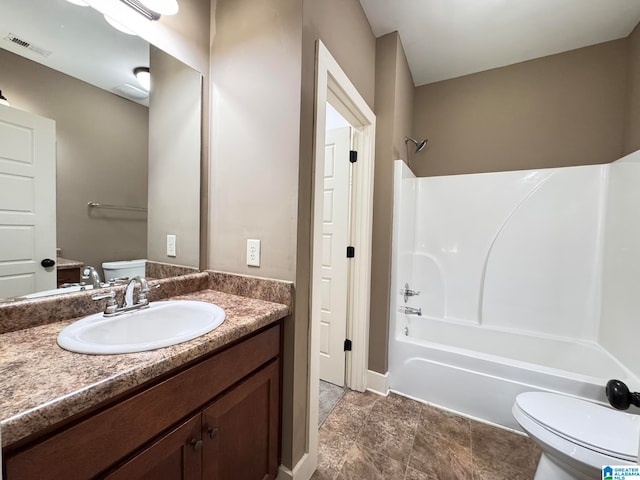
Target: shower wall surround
{"x":619,"y":327}
{"x":525,"y":250}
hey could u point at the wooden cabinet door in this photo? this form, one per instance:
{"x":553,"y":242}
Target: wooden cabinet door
{"x":175,"y":456}
{"x":240,"y":430}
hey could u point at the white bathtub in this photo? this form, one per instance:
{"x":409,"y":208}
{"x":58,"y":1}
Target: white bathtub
{"x":478,"y":371}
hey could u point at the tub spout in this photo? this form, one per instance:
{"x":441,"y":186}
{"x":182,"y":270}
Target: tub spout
{"x":413,"y":311}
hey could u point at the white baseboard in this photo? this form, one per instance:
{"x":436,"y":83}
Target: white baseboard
{"x":302,"y":471}
{"x":378,"y":383}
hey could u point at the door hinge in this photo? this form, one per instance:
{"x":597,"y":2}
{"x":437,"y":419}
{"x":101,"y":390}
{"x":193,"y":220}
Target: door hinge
{"x":353,"y":156}
{"x":351,"y":252}
{"x":347,"y":345}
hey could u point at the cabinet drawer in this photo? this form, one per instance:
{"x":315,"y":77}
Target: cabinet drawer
{"x":92,"y":445}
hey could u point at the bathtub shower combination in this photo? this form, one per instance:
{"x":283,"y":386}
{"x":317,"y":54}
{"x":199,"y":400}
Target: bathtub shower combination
{"x":514,"y":282}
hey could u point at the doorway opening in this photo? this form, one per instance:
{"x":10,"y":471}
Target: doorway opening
{"x":334,"y":88}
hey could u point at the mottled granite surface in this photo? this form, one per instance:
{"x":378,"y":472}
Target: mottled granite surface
{"x":278,"y":291}
{"x":165,"y":270}
{"x":42,"y":384}
{"x":67,"y":264}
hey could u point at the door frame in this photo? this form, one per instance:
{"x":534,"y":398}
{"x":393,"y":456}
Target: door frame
{"x":333,"y":86}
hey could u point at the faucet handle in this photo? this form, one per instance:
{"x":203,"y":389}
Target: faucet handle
{"x":407,"y":292}
{"x":119,"y":279}
{"x":142,"y":295}
{"x":112,"y":305}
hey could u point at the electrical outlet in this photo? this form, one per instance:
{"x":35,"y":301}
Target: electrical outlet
{"x":253,"y":253}
{"x":171,"y":245}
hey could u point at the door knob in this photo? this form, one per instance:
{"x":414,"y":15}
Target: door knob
{"x":212,"y":432}
{"x":197,"y":444}
{"x":47,"y":262}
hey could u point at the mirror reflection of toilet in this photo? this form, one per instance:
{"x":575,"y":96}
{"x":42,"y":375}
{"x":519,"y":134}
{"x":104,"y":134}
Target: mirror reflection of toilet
{"x":577,"y":437}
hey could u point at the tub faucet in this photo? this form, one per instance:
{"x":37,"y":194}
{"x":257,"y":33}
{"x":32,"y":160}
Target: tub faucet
{"x":91,"y":274}
{"x":413,"y":311}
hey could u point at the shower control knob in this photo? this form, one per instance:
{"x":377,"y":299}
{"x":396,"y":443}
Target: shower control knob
{"x":619,"y":395}
{"x":407,"y":292}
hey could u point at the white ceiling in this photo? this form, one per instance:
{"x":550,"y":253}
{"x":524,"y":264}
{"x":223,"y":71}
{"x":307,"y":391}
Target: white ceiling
{"x":83,"y":45}
{"x":449,"y":38}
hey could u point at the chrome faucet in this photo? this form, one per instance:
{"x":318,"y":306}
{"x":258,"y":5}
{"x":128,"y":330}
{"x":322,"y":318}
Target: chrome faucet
{"x":112,"y":308}
{"x":142,"y":295}
{"x":90,"y":273}
{"x":407,"y":292}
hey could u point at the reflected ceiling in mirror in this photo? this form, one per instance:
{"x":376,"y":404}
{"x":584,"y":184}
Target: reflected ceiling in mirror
{"x":77,"y":41}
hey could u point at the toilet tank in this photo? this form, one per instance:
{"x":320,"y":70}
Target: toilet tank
{"x":124,"y":268}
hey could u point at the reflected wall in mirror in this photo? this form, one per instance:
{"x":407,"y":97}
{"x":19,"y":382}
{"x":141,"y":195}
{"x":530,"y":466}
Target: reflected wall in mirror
{"x":106,"y":152}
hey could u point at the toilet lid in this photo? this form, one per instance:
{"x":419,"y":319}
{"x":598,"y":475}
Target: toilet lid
{"x":593,"y":426}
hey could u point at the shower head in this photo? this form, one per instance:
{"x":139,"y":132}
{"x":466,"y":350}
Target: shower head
{"x":419,"y":144}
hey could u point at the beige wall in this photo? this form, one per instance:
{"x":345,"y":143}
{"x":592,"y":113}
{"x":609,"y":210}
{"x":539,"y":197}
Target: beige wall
{"x":174,"y":160}
{"x":255,"y":124}
{"x":631,"y":141}
{"x":394,"y":109}
{"x":561,"y":110}
{"x":344,"y":29}
{"x":262,"y":70}
{"x":255,"y":71}
{"x":101,"y":157}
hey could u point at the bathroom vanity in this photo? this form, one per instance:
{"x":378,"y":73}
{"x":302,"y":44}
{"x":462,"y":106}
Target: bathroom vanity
{"x":67,"y":271}
{"x":207,"y":408}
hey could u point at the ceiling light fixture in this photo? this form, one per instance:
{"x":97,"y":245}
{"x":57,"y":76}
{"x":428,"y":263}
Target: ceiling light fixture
{"x":80,"y":3}
{"x":163,"y":7}
{"x":152,"y":9}
{"x":143,"y":76}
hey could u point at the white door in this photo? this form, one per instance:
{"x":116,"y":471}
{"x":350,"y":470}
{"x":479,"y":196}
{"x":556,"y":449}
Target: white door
{"x":27,"y":202}
{"x":334,"y":270}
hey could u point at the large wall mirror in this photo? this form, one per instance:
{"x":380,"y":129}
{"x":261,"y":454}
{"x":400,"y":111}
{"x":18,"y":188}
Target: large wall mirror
{"x":132,"y":151}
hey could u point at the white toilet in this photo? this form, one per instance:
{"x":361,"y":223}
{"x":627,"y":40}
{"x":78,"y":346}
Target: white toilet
{"x":577,"y":437}
{"x":123,"y":269}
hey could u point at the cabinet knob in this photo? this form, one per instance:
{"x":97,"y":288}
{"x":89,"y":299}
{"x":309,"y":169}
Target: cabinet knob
{"x":197,"y":444}
{"x":212,"y":432}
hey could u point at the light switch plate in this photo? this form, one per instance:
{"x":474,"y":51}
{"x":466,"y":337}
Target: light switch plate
{"x":253,"y":252}
{"x":171,"y":245}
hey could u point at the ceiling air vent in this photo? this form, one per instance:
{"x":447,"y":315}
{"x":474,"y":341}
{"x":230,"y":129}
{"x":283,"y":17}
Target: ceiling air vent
{"x":28,"y":45}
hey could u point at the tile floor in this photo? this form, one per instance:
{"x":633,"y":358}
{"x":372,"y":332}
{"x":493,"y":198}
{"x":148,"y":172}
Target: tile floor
{"x":369,"y":437}
{"x":330,"y":395}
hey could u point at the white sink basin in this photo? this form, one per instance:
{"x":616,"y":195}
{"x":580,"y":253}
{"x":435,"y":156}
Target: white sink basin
{"x":161,"y":325}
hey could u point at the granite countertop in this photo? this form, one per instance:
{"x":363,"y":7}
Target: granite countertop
{"x":67,"y":264}
{"x":42,"y":384}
